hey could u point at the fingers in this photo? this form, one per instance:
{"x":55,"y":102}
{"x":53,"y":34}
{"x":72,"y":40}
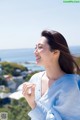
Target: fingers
{"x":28,"y":89}
{"x":33,"y":89}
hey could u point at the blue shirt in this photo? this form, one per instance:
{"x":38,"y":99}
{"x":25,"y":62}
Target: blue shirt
{"x":60,"y":102}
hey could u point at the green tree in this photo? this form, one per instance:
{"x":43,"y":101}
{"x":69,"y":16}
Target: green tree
{"x":11,"y":67}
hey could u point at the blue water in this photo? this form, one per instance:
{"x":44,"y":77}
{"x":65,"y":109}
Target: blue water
{"x":17,"y":55}
{"x":21,"y":56}
{"x":27,"y":55}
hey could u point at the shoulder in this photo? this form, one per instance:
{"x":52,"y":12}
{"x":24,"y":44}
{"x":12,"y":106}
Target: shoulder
{"x":70,"y":87}
{"x":72,"y":78}
{"x":72,"y":81}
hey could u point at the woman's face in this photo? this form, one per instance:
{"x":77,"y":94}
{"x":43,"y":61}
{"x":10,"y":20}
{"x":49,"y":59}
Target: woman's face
{"x":42,"y":52}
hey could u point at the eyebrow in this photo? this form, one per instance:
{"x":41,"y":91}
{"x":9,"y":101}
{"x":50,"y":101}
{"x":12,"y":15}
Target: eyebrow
{"x":39,"y":44}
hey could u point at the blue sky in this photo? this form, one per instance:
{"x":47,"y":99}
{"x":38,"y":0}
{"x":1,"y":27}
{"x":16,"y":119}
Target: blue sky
{"x":21,"y":21}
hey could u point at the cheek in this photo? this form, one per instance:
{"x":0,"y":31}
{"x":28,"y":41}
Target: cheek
{"x":41,"y":51}
{"x":44,"y":53}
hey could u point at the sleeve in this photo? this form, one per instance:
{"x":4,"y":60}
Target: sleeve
{"x":40,"y":112}
{"x":66,"y":108}
{"x":35,"y":77}
{"x":32,"y":80}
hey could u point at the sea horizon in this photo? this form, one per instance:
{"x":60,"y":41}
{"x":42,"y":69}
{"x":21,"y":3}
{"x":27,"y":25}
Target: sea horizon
{"x":32,"y":47}
{"x":25,"y":56}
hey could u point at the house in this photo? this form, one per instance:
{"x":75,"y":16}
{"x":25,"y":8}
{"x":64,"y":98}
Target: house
{"x":10,"y":83}
{"x":18,"y":80}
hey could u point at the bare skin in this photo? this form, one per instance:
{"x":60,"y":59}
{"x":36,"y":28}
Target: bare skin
{"x":48,"y":59}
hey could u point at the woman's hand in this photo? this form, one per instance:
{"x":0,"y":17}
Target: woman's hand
{"x":28,"y":92}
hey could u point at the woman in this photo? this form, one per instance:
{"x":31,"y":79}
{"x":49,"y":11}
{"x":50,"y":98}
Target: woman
{"x":53,"y":94}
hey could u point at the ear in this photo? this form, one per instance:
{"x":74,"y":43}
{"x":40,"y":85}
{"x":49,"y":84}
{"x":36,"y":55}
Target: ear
{"x":56,"y":53}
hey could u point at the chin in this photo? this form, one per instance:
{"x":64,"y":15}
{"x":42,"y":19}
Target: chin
{"x":38,"y":63}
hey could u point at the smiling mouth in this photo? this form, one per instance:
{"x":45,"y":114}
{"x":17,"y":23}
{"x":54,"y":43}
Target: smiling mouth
{"x":38,"y":58}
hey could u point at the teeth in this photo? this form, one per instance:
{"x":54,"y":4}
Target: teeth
{"x":37,"y":58}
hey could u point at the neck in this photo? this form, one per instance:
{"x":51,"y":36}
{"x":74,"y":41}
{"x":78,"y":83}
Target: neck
{"x":54,"y":72}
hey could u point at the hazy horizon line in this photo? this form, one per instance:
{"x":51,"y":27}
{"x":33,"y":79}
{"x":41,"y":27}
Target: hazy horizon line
{"x":32,"y":47}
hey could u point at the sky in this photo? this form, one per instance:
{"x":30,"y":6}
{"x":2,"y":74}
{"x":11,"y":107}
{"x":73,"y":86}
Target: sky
{"x":21,"y":21}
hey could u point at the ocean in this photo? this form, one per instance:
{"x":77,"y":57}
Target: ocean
{"x":26,"y":56}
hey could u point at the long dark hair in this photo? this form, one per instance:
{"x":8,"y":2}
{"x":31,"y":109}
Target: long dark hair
{"x":57,"y":41}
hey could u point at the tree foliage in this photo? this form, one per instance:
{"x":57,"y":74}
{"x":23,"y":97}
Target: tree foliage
{"x":17,"y":110}
{"x":10,"y":67}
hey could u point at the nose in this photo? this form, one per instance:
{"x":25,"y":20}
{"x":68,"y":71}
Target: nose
{"x":36,"y":51}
